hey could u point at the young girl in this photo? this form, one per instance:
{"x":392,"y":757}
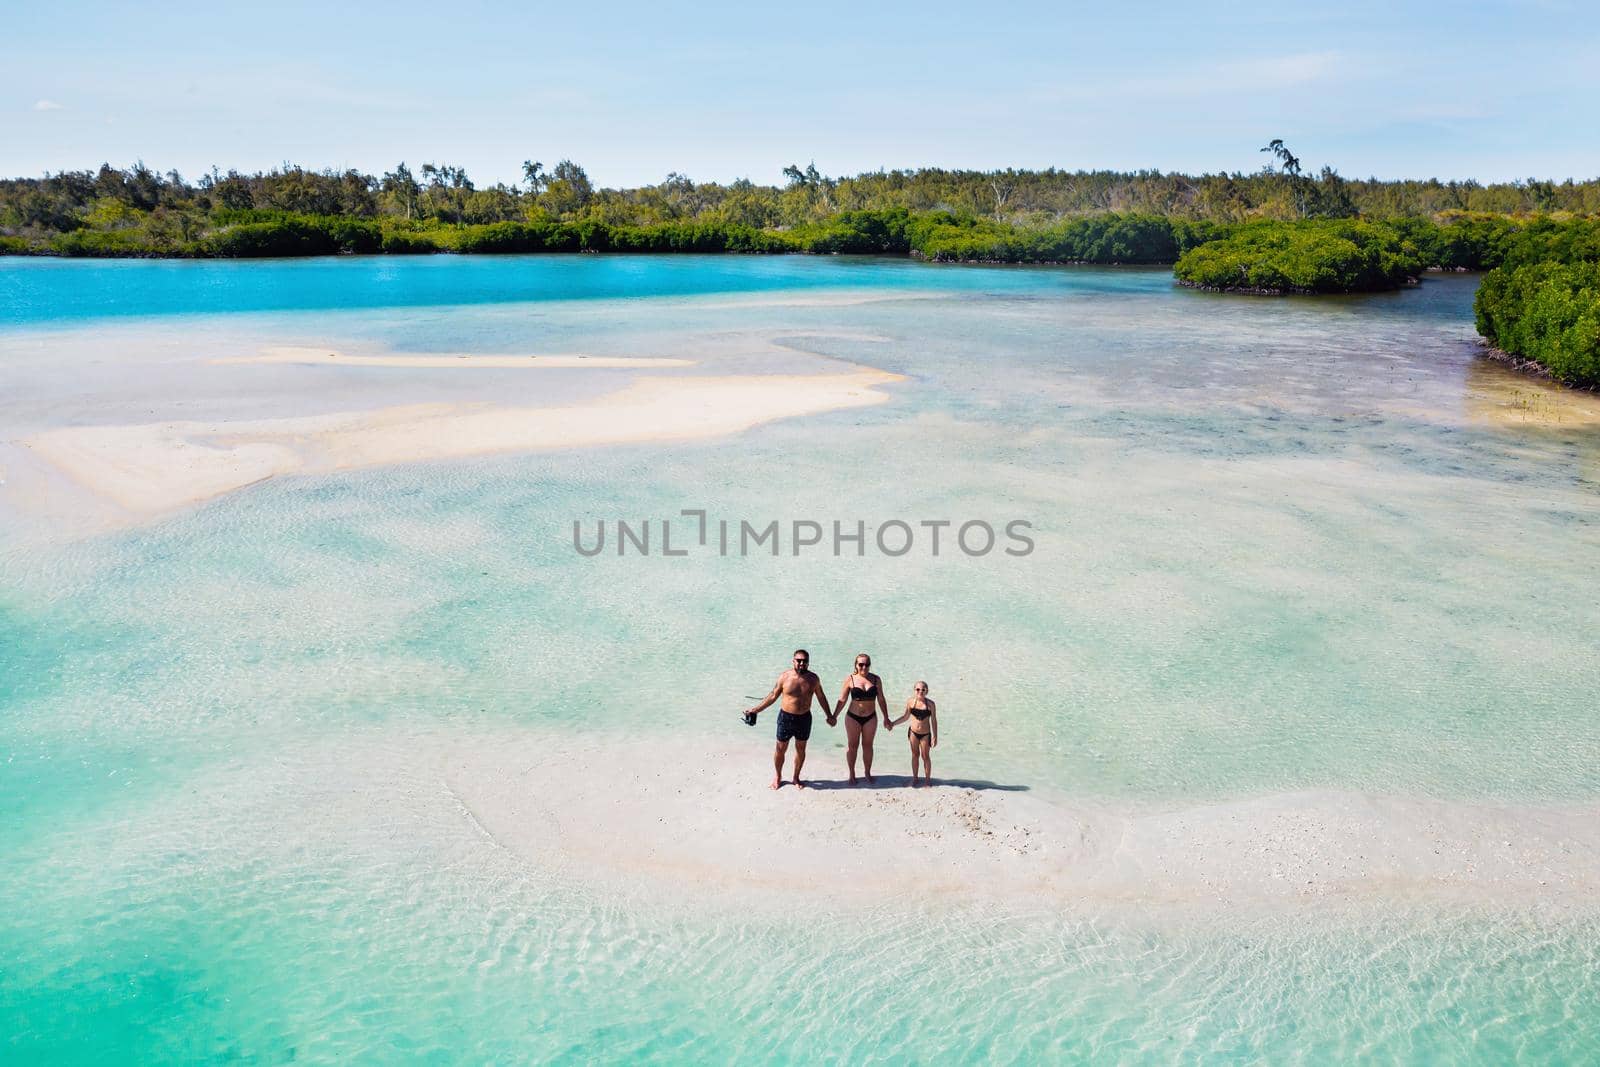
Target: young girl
{"x":924,"y":731}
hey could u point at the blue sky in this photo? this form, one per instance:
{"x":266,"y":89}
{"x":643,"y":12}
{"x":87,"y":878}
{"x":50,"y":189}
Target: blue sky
{"x":1492,"y":91}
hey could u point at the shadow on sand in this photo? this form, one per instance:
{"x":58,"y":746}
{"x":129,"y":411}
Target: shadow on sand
{"x":903,"y":781}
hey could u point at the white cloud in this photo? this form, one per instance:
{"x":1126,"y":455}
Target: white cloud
{"x":1278,"y":72}
{"x":48,"y":105}
{"x":1274,"y":74}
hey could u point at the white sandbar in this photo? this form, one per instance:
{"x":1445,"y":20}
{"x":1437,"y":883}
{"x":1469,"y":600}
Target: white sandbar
{"x":152,"y":468}
{"x":301,"y":356}
{"x":699,"y":818}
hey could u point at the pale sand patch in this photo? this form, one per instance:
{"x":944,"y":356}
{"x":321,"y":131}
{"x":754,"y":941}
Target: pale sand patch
{"x":157,"y":467}
{"x":817,"y":299}
{"x":301,"y":356}
{"x":1500,"y":395}
{"x":702,"y":819}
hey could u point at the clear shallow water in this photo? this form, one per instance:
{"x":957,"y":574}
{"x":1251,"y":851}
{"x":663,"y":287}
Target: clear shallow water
{"x":1278,"y":549}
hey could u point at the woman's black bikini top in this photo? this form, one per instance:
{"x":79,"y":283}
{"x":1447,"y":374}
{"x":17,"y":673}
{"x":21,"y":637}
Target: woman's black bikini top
{"x":920,"y":715}
{"x":863,"y":694}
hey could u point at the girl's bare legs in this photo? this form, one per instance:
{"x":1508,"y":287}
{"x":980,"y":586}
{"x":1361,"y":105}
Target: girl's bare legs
{"x":927,"y":761}
{"x":913,"y":760}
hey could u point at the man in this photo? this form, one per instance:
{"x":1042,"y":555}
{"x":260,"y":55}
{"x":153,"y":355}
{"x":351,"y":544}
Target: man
{"x":798,"y":687}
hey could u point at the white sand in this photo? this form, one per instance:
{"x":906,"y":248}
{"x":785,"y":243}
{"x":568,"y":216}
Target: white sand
{"x":152,"y":468}
{"x":301,"y":356}
{"x":702,"y":819}
{"x":690,"y":822}
{"x":1498,"y":394}
{"x":818,"y":298}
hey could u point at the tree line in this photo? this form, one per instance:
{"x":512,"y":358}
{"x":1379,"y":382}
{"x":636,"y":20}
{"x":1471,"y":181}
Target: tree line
{"x":164,"y":213}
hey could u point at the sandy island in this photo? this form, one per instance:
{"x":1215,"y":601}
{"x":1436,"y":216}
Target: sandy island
{"x":1499,"y":393}
{"x":698,"y":818}
{"x":301,"y":356}
{"x":152,"y":468}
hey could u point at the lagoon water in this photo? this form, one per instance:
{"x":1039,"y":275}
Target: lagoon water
{"x":1282,"y":547}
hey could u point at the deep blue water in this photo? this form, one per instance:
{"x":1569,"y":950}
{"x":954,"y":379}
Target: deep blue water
{"x":35,"y":291}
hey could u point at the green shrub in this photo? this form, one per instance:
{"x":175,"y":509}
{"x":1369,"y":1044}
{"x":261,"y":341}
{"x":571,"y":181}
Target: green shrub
{"x":281,"y":237}
{"x":1317,"y":256}
{"x":501,"y":237}
{"x":408,"y":243}
{"x":231,"y":216}
{"x":1472,"y":242}
{"x":1548,"y":312}
{"x":945,"y":237}
{"x":741,"y":238}
{"x":258,"y":234}
{"x":355,"y":235}
{"x":1108,"y":239}
{"x":110,"y":243}
{"x":857,"y":233}
{"x":1187,"y":234}
{"x":1548,"y":240}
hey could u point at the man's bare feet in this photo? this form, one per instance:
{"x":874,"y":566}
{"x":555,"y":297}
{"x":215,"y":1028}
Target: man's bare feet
{"x":798,"y":784}
{"x":871,"y":780}
{"x":777,"y":783}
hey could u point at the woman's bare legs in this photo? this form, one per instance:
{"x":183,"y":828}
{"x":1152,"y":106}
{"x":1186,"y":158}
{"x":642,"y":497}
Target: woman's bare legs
{"x":852,"y":740}
{"x":867,"y":734}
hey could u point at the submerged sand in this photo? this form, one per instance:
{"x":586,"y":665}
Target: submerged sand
{"x":151,"y":468}
{"x":321,"y":357}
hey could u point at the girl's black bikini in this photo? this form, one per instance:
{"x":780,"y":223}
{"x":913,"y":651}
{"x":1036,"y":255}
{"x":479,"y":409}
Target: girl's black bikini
{"x":920,"y":716}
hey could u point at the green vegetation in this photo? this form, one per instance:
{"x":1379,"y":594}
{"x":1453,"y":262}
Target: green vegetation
{"x":1108,"y":238}
{"x":1279,"y":230}
{"x":1543,"y":302}
{"x":1009,"y":215}
{"x":1314,"y":256}
{"x":1460,"y":240}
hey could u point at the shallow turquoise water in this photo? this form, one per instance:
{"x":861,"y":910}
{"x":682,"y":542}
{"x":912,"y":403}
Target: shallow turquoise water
{"x":1277,"y":549}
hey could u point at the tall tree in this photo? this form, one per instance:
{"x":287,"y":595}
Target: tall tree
{"x":400,"y":184}
{"x":568,"y":190}
{"x":1291,"y":170}
{"x":533,"y":173}
{"x":1002,"y":184}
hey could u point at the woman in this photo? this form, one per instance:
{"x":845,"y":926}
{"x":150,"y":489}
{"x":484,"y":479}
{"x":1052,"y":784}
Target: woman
{"x":863,"y":689}
{"x":924,"y":732}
